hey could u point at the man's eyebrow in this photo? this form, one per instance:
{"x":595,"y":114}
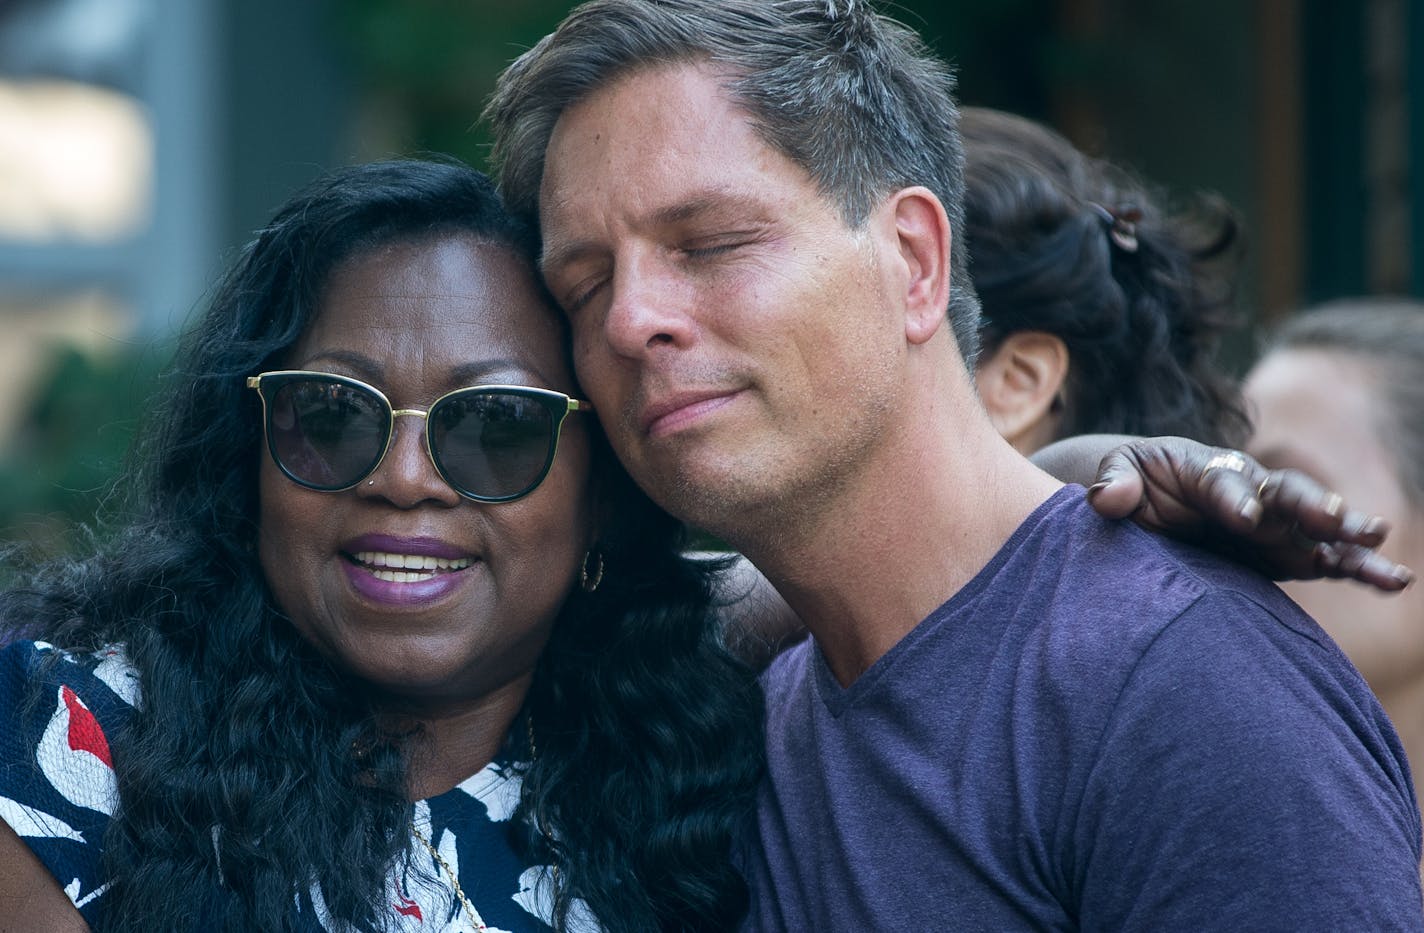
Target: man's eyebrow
{"x":561,"y":254}
{"x":707,"y":203}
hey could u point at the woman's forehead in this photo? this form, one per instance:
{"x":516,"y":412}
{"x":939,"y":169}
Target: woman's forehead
{"x":456,"y":300}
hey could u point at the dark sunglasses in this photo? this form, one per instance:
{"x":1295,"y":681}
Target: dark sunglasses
{"x":491,"y":443}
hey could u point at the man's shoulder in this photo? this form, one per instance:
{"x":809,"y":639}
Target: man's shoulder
{"x":1078,"y":569}
{"x":1076,"y":594}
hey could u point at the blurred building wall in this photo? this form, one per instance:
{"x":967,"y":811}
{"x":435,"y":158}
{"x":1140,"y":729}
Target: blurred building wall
{"x":141,"y":141}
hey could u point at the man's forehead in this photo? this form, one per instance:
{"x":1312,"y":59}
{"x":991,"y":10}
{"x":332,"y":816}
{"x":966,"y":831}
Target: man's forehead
{"x":680,"y":96}
{"x":661,"y":125}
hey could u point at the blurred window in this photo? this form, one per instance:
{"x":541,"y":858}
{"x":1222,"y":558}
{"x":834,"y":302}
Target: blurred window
{"x":76,"y":162}
{"x":108,"y":111}
{"x":76,"y":141}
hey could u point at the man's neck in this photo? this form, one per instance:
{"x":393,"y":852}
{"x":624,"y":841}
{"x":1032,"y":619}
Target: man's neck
{"x":887,"y":551}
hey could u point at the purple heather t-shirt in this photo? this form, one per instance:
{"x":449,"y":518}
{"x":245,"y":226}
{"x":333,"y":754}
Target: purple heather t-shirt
{"x":1102,"y":731}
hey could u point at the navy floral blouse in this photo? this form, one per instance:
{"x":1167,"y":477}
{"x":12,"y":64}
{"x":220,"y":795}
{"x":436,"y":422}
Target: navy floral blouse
{"x":57,"y":792}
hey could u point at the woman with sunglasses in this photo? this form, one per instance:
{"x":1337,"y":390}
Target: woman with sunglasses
{"x":361,"y":659}
{"x":389,"y":641}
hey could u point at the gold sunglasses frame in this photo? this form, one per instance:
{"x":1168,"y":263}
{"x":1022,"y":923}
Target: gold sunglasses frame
{"x":558,"y":404}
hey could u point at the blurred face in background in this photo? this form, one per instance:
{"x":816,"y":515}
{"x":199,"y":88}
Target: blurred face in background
{"x":1324,"y":413}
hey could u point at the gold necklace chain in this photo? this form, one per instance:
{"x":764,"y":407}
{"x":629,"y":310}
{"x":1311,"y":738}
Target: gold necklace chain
{"x":539,"y":824}
{"x":465,"y":904}
{"x":469,"y":908}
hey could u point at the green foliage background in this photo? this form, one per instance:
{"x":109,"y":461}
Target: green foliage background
{"x":67,"y":456}
{"x":433,"y":62}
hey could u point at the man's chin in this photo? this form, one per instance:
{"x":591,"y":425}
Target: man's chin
{"x":732,"y":506}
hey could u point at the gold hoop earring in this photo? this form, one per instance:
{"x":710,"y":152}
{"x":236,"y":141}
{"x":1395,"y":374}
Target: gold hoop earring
{"x":589,"y":579}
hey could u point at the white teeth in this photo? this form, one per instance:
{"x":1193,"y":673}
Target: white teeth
{"x":407,"y":562}
{"x":401,"y":576}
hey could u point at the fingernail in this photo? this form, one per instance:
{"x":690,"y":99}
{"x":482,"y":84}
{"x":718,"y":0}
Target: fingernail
{"x":1403,"y":574}
{"x":1374,"y":525}
{"x":1249,"y":508}
{"x":1098,"y":487}
{"x":1333,"y":504}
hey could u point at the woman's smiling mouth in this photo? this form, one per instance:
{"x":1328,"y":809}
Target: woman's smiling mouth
{"x":406,"y":568}
{"x":402,"y":571}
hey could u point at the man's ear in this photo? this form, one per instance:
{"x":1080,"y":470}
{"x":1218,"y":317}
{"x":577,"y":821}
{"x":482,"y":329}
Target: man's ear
{"x":1021,"y":386}
{"x":923,"y":238}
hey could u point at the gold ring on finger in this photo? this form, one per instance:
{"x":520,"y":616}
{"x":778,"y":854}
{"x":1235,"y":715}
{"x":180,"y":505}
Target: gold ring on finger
{"x":1228,"y":461}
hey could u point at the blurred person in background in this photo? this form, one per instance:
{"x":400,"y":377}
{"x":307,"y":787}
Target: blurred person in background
{"x":1101,"y":308}
{"x":1339,"y":394}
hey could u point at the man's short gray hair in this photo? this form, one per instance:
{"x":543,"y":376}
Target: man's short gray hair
{"x":852,"y":96}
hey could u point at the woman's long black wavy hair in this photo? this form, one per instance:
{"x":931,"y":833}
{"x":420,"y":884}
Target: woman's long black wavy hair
{"x":649,"y":732}
{"x":1070,"y":245}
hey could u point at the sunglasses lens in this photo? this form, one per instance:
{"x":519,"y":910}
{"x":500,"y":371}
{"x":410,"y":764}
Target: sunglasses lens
{"x":493,"y":445}
{"x":327,"y":435}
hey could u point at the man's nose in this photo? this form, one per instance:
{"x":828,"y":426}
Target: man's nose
{"x":649,"y":307}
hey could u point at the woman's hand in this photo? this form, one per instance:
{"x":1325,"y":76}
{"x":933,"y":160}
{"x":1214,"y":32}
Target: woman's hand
{"x":1281,"y":522}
